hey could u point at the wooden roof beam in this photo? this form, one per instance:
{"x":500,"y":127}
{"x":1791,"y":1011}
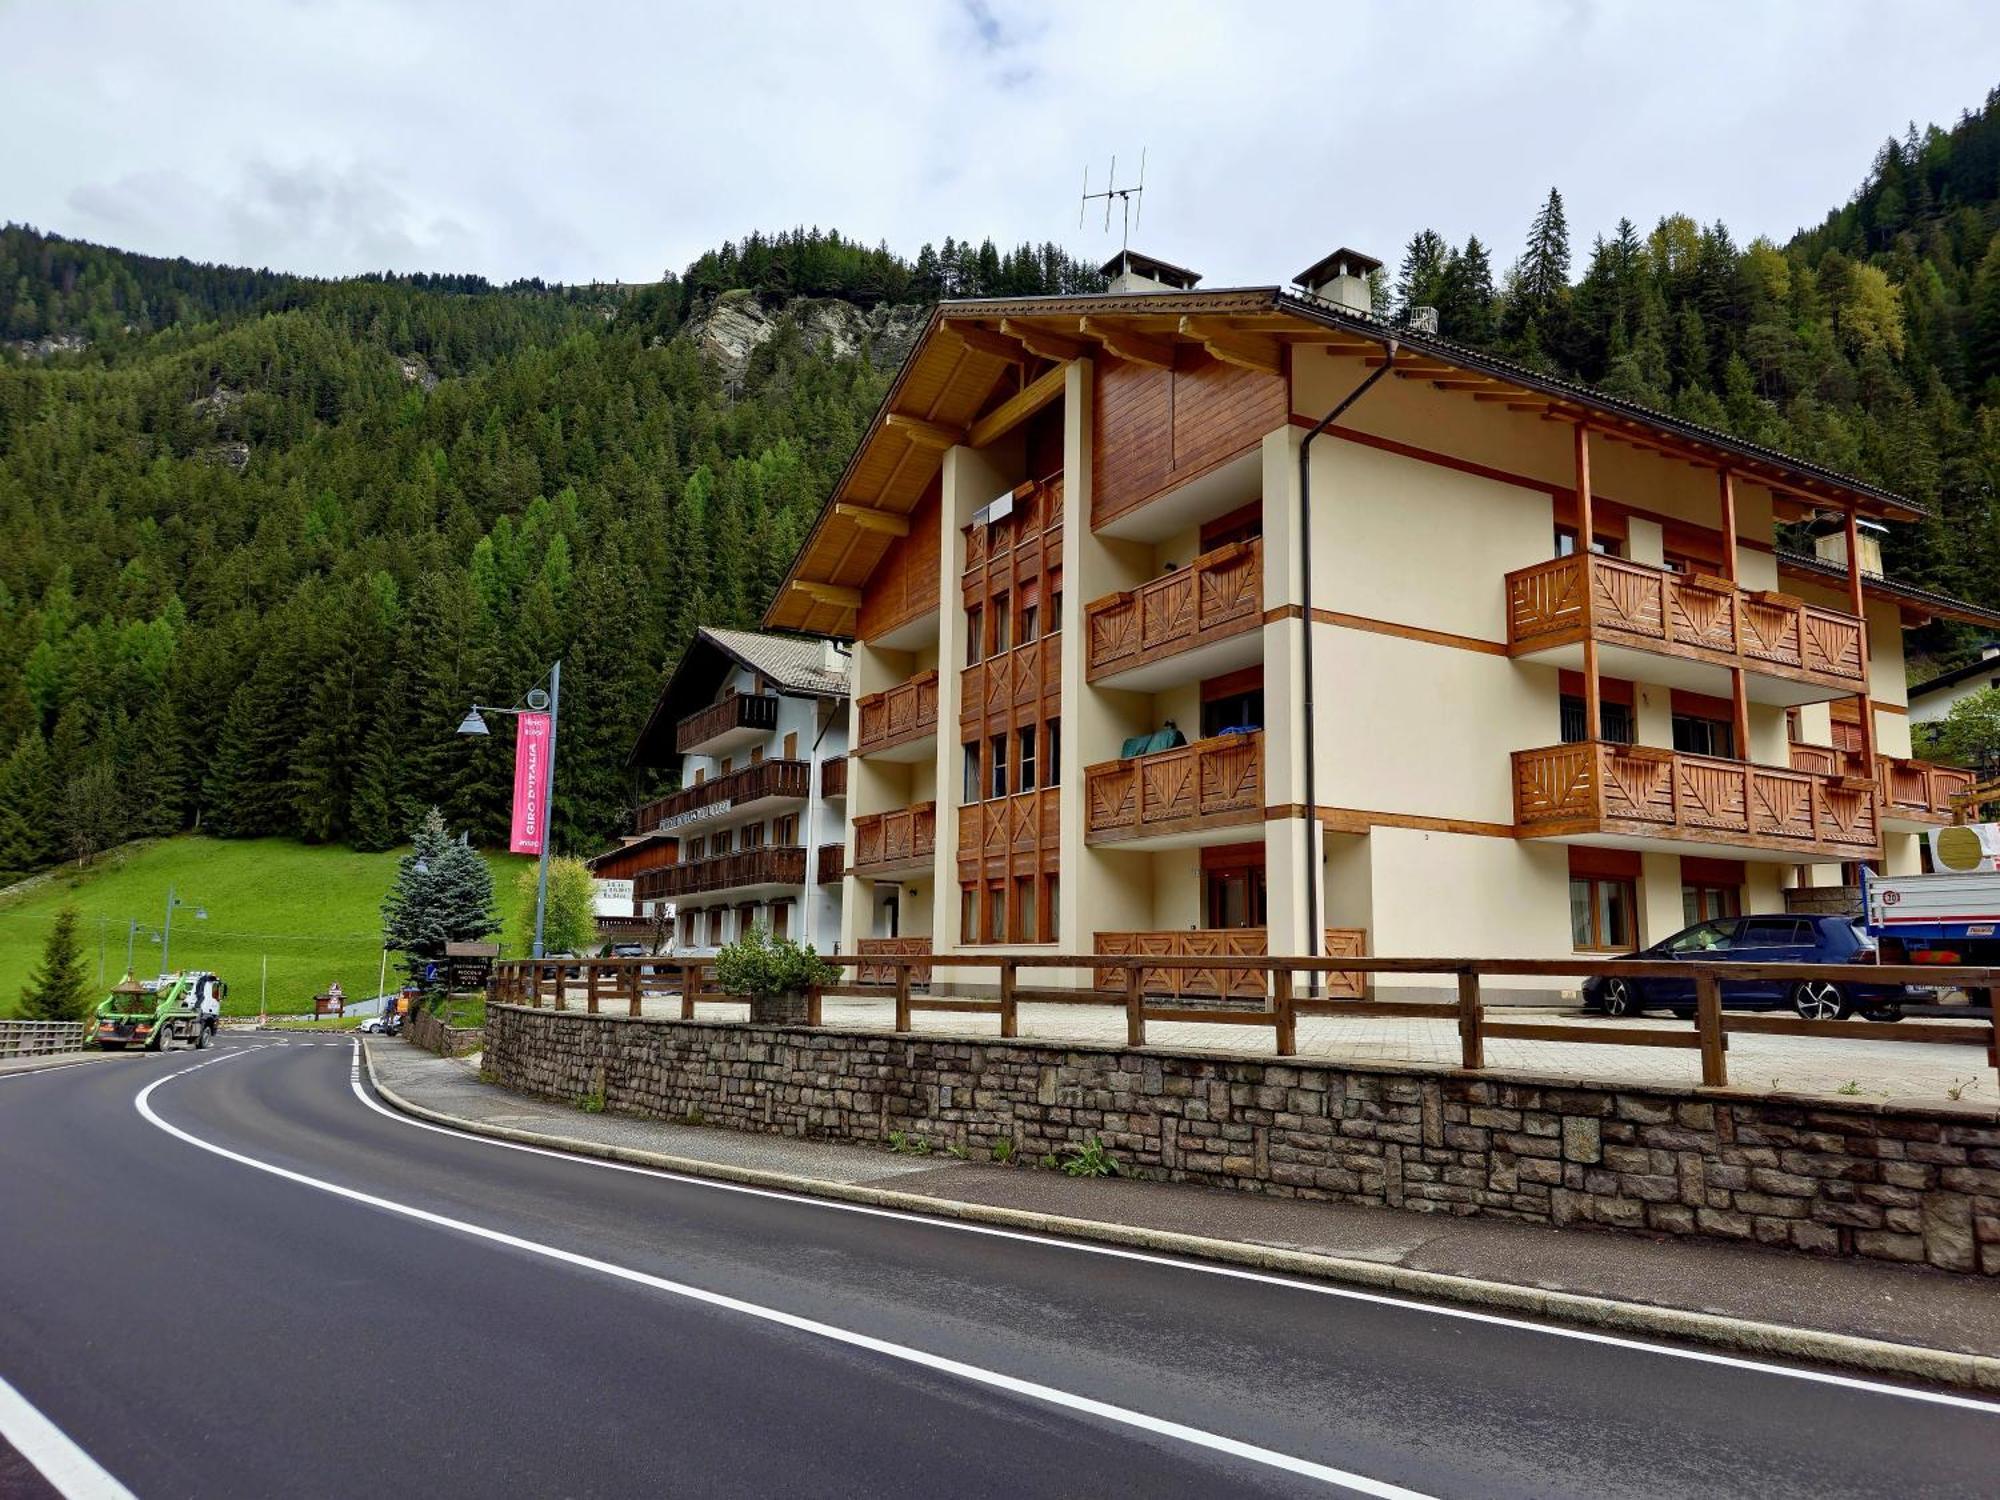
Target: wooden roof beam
{"x":983,"y":340}
{"x":1043,"y":341}
{"x":837,"y":595}
{"x":922,"y":432}
{"x":1017,"y":408}
{"x":868,"y":519}
{"x":1125,"y":344}
{"x":1246,"y":350}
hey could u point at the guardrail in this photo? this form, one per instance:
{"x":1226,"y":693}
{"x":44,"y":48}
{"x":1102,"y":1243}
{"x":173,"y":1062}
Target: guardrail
{"x":42,"y":1038}
{"x":692,"y":982}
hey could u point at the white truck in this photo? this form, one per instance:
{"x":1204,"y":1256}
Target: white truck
{"x":1949,"y":917}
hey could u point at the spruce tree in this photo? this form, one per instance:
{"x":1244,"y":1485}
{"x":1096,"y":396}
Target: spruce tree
{"x":60,"y":989}
{"x":443,"y":894}
{"x":1984,"y":351}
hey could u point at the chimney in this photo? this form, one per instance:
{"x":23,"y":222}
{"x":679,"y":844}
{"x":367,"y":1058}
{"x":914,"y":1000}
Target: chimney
{"x":1830,"y":544}
{"x":1342,"y":278}
{"x":831,"y":657}
{"x":1129,"y":271}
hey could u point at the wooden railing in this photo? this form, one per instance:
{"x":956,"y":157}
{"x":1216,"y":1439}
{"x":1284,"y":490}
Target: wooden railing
{"x":894,"y":839}
{"x":1219,"y":594}
{"x":1600,"y":787}
{"x":41,"y":1038}
{"x":768,"y":778}
{"x":738,"y":711}
{"x":908,"y":711}
{"x":773,"y":864}
{"x":1018,"y":677}
{"x":1216,"y":943}
{"x":692,"y":983}
{"x":1910,"y":788}
{"x":1169,"y":791}
{"x":831,"y":863}
{"x":833,"y":776}
{"x":1037,"y":517}
{"x":1025,"y":823}
{"x":1654,"y":609}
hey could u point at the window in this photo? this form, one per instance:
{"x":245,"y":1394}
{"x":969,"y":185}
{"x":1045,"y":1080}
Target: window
{"x":1026,"y":774}
{"x":1003,"y":623}
{"x":781,"y":918}
{"x":1234,"y":896}
{"x":694,"y":848}
{"x":968,"y":914}
{"x":1052,"y":754}
{"x":715,"y":927}
{"x":687,"y":929}
{"x":1600,"y":914}
{"x":970,"y":791}
{"x":1235,"y":711}
{"x":792,"y":745}
{"x":1603,"y":546}
{"x":996,"y":913}
{"x":756,"y":755}
{"x":785,"y":830}
{"x":753,"y":835}
{"x":1710,"y":937}
{"x":1614,"y":721}
{"x":996,"y":765}
{"x":1704,"y":903}
{"x":975,"y":635}
{"x":1055,"y":603}
{"x":721,"y":843}
{"x":1773,"y":932}
{"x":1051,"y":887}
{"x":1700,"y":736}
{"x":1024,"y":910}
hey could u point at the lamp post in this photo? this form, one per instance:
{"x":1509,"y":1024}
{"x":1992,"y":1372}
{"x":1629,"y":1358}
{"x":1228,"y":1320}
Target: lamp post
{"x":167,"y":931}
{"x":551,"y":702}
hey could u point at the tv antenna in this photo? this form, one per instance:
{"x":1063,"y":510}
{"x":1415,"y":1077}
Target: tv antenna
{"x":1130,"y":199}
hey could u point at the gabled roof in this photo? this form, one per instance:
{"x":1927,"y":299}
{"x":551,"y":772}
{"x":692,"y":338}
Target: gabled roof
{"x":976,"y":359}
{"x":792,"y":664}
{"x":1979,"y":666}
{"x":1920,"y":600}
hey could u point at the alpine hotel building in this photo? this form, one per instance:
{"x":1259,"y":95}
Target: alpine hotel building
{"x":1224,"y":622}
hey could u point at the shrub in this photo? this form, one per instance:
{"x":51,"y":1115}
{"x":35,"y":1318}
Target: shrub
{"x":759,"y":964}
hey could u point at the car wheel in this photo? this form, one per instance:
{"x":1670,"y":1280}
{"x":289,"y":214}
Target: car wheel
{"x":1883,"y":1010}
{"x":1619,"y":999}
{"x":1818,"y":1000}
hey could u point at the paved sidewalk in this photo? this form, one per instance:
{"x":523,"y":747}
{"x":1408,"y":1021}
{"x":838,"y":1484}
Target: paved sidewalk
{"x":1859,"y":1299}
{"x":1876,"y":1072}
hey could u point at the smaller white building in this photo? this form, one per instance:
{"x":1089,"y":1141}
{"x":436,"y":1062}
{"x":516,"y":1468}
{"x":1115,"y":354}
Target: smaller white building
{"x":1931,"y":702}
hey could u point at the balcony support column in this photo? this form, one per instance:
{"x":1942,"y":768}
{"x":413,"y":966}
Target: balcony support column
{"x":1858,"y":607}
{"x":1739,"y":697}
{"x":1586,"y":532}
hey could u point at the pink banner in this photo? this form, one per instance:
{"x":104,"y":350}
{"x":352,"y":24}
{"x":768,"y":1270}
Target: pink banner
{"x":531,"y":782}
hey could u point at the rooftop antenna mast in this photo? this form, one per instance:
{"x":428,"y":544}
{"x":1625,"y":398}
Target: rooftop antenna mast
{"x":1130,"y":199}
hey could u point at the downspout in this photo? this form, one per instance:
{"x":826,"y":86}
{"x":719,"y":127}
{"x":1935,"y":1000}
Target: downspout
{"x":1313,"y":938}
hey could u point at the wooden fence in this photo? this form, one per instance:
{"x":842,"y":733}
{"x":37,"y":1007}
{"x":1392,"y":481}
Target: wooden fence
{"x":42,"y":1038}
{"x":1294,"y":990}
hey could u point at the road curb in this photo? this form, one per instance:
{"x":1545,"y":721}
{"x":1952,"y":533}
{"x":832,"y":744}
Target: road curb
{"x":63,"y":1060}
{"x":1875,"y":1356}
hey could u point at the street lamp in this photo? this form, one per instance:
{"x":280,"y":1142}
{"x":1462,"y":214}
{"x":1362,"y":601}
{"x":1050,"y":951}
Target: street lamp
{"x":167,"y":931}
{"x":549,"y":702}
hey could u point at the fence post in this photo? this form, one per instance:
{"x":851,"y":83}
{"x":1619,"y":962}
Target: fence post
{"x":1708,"y":1019}
{"x":590,"y":977}
{"x":902,"y":994}
{"x":813,"y":999}
{"x":1135,"y":1006}
{"x":1471,"y":1041}
{"x":561,"y":986}
{"x":1008,"y":1012}
{"x":635,"y":983}
{"x":1284,"y":1018}
{"x":690,"y":977}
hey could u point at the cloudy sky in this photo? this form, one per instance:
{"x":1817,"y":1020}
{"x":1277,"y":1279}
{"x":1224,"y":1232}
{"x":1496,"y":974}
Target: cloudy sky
{"x":599,"y":139}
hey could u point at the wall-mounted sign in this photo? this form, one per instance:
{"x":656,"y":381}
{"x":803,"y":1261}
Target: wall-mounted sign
{"x":698,"y":814}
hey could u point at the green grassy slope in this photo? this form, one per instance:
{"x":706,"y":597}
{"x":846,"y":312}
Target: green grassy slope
{"x":314,"y":910}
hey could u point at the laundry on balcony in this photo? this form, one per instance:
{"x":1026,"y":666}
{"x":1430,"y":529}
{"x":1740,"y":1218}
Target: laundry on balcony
{"x":1168,"y":738}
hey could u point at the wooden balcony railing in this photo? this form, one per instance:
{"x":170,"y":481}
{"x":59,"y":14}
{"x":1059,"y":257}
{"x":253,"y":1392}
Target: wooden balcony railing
{"x":895,"y":842}
{"x":1173,"y":791}
{"x":1911,"y":789}
{"x":1025,"y":823}
{"x":833,"y":776}
{"x":1676,"y":614}
{"x":1019,"y":677}
{"x":1599,"y":787}
{"x":1221,"y":943}
{"x":746,"y":711}
{"x":774,"y":864}
{"x":769,"y":778}
{"x":1219,"y":594}
{"x":832,"y":863}
{"x":908,"y":711}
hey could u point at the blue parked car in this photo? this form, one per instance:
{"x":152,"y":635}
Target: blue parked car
{"x":1775,"y":939}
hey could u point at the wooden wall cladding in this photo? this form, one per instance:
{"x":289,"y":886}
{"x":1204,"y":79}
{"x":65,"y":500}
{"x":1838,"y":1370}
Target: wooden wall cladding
{"x":905,"y":584}
{"x":1158,"y":428}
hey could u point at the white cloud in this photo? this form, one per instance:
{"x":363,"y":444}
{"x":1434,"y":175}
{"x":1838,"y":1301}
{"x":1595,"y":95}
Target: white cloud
{"x":619,"y":139}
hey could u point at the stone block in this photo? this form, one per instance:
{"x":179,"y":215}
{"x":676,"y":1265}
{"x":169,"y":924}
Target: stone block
{"x":1722,"y":1222}
{"x":1881,"y":1245}
{"x":1785,"y":1184}
{"x":1946,"y":1225}
{"x":1643,"y":1111}
{"x":1815,"y":1239}
{"x":1580,"y":1139}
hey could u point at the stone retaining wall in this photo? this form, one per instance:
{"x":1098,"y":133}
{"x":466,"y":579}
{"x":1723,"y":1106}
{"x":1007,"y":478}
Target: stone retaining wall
{"x":433,"y":1035}
{"x":1891,"y":1184}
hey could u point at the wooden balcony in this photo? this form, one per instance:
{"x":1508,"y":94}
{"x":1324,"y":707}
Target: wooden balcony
{"x":833,"y":777}
{"x":1010,"y":835}
{"x":1220,"y":943}
{"x":831,"y":864}
{"x":746,"y":869}
{"x":1194,"y":622}
{"x":743,"y":790}
{"x":902,"y":842}
{"x":1634,"y":796}
{"x":740,"y":719}
{"x":1016,"y":678}
{"x":1191,"y":794}
{"x":1915,"y":794}
{"x":900,"y":723}
{"x":1790,"y":651}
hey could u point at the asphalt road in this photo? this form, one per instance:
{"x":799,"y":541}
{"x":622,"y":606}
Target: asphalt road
{"x":227,"y":1275}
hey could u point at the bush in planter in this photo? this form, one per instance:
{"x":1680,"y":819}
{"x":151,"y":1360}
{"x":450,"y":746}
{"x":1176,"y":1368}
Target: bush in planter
{"x":774,"y":973}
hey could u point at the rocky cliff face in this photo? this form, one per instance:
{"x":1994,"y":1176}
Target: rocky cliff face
{"x":736,"y":324}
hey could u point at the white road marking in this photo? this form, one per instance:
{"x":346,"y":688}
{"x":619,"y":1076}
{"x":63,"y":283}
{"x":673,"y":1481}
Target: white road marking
{"x":975,"y":1374}
{"x":1082,"y":1247}
{"x":70,"y":1471}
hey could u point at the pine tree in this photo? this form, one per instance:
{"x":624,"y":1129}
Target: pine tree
{"x":443,"y":894}
{"x":60,"y":989}
{"x":1984,"y":352}
{"x":1465,"y":305}
{"x":1421,"y":282}
{"x":1545,"y":262}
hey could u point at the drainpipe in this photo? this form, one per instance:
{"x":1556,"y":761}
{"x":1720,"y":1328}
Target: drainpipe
{"x":809,"y":896}
{"x":1306,"y":594}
